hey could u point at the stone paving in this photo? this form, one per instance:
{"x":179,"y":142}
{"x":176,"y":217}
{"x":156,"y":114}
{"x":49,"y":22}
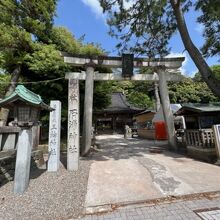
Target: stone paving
{"x":214,"y":214}
{"x":126,"y":171}
{"x":179,"y":210}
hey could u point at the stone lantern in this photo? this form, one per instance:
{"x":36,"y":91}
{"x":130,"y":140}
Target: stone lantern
{"x":26,"y":107}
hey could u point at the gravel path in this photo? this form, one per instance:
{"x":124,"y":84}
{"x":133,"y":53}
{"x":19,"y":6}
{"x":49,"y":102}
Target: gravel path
{"x":54,"y":196}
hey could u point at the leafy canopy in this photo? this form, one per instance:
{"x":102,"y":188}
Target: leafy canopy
{"x":192,"y":90}
{"x":22,"y":23}
{"x":146,"y":27}
{"x":210,"y":18}
{"x":143,"y":27}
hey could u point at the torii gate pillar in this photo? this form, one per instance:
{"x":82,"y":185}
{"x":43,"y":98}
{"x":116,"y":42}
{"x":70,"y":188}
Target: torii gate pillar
{"x":167,"y":112}
{"x":88,"y":106}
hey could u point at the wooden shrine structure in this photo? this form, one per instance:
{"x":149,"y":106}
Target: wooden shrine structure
{"x":115,"y":116}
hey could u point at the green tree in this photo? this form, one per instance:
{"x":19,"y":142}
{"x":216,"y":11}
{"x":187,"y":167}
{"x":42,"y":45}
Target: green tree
{"x":64,"y":40}
{"x":4,"y":79}
{"x":215,"y":69}
{"x":147,"y":26}
{"x":45,"y":63}
{"x":190,"y":91}
{"x":22,"y":24}
{"x":210,"y":18}
{"x":139,"y":99}
{"x":138,"y":93}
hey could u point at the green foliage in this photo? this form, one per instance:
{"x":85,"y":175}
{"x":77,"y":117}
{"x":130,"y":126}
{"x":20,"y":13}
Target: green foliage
{"x":35,"y":17}
{"x":91,"y":49}
{"x":102,"y":95}
{"x":141,"y":94}
{"x":210,"y":18}
{"x":143,"y":27}
{"x":197,"y":77}
{"x":147,"y":26}
{"x":45,"y":59}
{"x":4,"y":78}
{"x":137,"y":93}
{"x":20,"y":23}
{"x":64,"y":40}
{"x":215,"y":70}
{"x":140,"y":99}
{"x":121,"y":86}
{"x":29,"y":40}
{"x":188,"y":91}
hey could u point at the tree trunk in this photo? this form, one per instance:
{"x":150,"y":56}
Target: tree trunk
{"x":14,"y":79}
{"x":194,"y":53}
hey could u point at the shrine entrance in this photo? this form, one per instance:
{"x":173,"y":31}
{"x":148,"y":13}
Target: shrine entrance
{"x":163,"y":70}
{"x":118,"y":114}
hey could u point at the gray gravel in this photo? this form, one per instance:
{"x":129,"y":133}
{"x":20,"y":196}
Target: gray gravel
{"x":58,"y":195}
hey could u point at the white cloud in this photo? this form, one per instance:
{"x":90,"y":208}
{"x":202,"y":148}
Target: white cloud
{"x":95,"y":7}
{"x":199,"y":28}
{"x":128,"y":4}
{"x":185,"y":62}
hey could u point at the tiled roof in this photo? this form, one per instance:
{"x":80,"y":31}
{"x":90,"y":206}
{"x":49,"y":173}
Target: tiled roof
{"x":120,"y":104}
{"x":24,"y":94}
{"x":198,"y":107}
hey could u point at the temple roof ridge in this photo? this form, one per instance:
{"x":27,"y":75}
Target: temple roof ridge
{"x":120,"y":103}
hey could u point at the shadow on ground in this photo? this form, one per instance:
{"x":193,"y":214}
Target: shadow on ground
{"x":116,"y":147}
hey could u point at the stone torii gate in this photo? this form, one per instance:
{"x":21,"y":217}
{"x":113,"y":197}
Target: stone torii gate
{"x":165,"y":69}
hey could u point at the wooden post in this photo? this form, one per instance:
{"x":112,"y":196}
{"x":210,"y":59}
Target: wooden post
{"x":73,"y":126}
{"x":88,"y":105}
{"x":35,"y":136}
{"x":113,"y":124}
{"x":168,"y":115}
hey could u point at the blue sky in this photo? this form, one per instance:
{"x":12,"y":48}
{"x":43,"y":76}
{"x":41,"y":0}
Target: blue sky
{"x":85,"y":17}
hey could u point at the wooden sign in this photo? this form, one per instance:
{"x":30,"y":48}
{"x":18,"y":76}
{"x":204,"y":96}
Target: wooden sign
{"x":127,"y":65}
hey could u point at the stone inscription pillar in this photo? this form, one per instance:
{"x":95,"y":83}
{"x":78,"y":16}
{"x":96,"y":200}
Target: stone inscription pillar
{"x":54,"y":137}
{"x":216,"y":130}
{"x":88,"y":105}
{"x":23,"y":161}
{"x":73,"y":126}
{"x":167,"y":112}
